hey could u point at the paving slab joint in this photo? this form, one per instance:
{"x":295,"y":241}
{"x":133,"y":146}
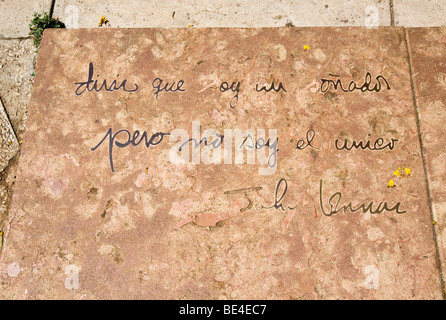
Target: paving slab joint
{"x":392,"y":13}
{"x":16,"y":38}
{"x":53,"y":3}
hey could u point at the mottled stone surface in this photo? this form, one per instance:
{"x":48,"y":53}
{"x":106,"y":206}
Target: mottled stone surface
{"x":8,"y":140}
{"x":17,"y":14}
{"x":17,"y":65}
{"x":155,"y":229}
{"x":428,"y":54}
{"x":230,"y":13}
{"x":415,"y":13}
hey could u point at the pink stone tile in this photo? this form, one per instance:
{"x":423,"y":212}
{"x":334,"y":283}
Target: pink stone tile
{"x":159,"y":230}
{"x":428,"y":54}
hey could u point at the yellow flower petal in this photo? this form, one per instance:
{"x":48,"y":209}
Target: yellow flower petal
{"x":102,"y":21}
{"x":306,"y":48}
{"x":407,"y":171}
{"x":397,"y":172}
{"x":391,"y":184}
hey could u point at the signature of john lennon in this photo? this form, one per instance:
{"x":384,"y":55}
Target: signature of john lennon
{"x":211,"y":219}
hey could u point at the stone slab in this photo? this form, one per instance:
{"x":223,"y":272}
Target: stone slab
{"x":428,"y":55}
{"x":231,"y":13}
{"x":416,"y":13}
{"x":17,"y":15}
{"x":99,"y":214}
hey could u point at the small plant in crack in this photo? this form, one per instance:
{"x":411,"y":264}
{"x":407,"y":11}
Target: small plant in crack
{"x":39,"y":23}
